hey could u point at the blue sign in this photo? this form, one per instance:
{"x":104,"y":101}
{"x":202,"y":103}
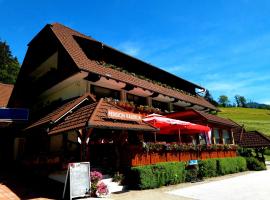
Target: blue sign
{"x":11,"y":114}
{"x":193,"y":162}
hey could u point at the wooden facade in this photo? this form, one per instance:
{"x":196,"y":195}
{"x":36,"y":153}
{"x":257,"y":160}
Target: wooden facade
{"x":69,"y":81}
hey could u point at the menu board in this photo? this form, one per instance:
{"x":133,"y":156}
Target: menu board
{"x":79,"y":179}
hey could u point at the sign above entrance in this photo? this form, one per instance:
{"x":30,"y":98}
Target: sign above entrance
{"x":126,"y":116}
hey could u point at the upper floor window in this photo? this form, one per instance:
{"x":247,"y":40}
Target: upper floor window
{"x":137,"y":100}
{"x":161,"y":105}
{"x":101,"y":92}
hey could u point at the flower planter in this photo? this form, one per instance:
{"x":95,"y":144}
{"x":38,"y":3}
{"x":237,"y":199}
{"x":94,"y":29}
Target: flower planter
{"x":172,"y":156}
{"x":227,"y":153}
{"x":205,"y":155}
{"x":154,"y":157}
{"x":162,"y":157}
{"x":144,"y":159}
{"x":220,"y":154}
{"x":213,"y":154}
{"x":185,"y":156}
{"x":193,"y":155}
{"x":233,"y":153}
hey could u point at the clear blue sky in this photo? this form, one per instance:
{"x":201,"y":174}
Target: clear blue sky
{"x":221,"y":45}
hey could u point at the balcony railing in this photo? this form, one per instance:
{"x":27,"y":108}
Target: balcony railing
{"x":138,"y":156}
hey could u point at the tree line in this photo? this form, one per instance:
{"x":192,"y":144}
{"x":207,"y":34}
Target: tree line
{"x":239,"y":101}
{"x":9,"y":65}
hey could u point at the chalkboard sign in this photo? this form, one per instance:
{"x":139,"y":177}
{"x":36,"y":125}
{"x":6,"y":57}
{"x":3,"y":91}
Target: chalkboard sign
{"x":79,"y":179}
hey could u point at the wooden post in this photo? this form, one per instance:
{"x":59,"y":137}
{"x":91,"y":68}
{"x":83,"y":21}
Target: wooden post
{"x":149,"y":101}
{"x":84,"y":134}
{"x":86,"y":143}
{"x":232,"y":136}
{"x":179,"y":135}
{"x":123,"y":95}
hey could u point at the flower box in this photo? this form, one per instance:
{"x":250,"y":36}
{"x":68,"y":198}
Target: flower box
{"x":172,"y":156}
{"x":213,"y":154}
{"x":154,"y":157}
{"x":205,"y":155}
{"x":185,"y":156}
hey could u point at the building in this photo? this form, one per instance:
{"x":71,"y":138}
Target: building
{"x":87,"y":99}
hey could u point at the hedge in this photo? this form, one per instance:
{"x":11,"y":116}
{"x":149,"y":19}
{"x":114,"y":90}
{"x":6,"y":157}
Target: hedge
{"x":153,"y":176}
{"x":231,"y":165}
{"x":254,"y":164}
{"x":160,"y":174}
{"x":208,"y":168}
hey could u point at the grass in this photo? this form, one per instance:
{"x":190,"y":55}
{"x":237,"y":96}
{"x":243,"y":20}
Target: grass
{"x":253,"y":119}
{"x":267,"y":157}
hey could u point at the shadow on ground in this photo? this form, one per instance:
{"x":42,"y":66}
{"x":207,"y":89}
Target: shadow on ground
{"x":27,"y":185}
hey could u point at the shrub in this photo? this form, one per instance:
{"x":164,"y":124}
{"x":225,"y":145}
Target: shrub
{"x":267,"y":151}
{"x":153,"y":176}
{"x":254,"y":164}
{"x":231,"y":165}
{"x":208,"y":168}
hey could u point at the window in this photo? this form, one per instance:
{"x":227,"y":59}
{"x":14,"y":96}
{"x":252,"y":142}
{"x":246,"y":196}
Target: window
{"x":137,"y":100}
{"x":226,"y":136}
{"x":101,"y":92}
{"x":216,"y":136}
{"x":202,"y":138}
{"x":161,"y":105}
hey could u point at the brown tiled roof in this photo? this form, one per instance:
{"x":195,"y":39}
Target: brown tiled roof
{"x":62,"y":110}
{"x":66,"y":37}
{"x":75,"y":120}
{"x":209,"y":117}
{"x":251,"y":139}
{"x":5,"y":92}
{"x":95,"y":116}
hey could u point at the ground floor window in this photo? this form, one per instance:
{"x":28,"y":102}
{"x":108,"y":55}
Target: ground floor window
{"x":226,"y":136}
{"x":216,"y":136}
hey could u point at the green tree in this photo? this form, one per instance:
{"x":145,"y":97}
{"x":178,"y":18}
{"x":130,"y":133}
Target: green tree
{"x":237,"y":97}
{"x":9,"y":65}
{"x":223,"y":100}
{"x":243,"y":101}
{"x":209,"y":98}
{"x":240,"y":101}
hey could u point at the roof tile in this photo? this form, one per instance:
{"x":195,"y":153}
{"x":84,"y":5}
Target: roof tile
{"x":5,"y":92}
{"x":251,"y":139}
{"x":66,"y":37}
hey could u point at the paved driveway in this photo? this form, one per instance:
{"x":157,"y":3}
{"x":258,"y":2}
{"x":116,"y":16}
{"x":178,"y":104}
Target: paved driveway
{"x":251,"y":186}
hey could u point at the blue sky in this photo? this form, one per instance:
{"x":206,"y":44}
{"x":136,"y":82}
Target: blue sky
{"x":223,"y":45}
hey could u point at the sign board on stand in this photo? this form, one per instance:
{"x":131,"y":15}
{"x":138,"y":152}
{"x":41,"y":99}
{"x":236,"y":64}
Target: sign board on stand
{"x":78,"y":176}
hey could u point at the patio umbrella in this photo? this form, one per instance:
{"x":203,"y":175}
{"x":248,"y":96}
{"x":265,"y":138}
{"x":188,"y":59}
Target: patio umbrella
{"x":168,"y":125}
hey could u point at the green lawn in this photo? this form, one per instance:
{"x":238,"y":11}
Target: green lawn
{"x":253,"y":119}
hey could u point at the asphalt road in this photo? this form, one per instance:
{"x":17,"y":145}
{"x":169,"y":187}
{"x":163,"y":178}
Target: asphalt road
{"x":255,"y":185}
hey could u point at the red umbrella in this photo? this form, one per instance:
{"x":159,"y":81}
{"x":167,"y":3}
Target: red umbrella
{"x":168,"y":125}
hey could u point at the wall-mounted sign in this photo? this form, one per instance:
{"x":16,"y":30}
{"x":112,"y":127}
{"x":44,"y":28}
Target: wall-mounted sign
{"x":126,"y":116}
{"x":11,"y":114}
